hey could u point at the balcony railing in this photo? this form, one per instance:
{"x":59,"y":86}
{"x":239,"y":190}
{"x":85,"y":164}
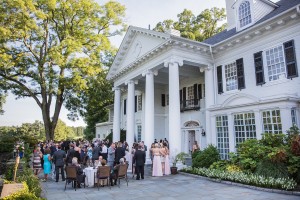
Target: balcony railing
{"x":191,"y":104}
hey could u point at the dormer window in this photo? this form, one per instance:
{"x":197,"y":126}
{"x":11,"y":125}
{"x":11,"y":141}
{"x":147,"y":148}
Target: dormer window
{"x":244,"y":14}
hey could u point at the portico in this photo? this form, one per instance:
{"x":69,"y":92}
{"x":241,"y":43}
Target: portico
{"x":160,"y":75}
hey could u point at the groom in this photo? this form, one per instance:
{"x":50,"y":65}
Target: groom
{"x":139,"y":160}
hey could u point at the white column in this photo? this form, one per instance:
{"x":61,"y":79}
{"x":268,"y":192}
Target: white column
{"x":149,"y":108}
{"x":258,"y":124}
{"x":130,"y":129}
{"x":174,"y":105}
{"x":117,"y":115}
{"x":286,"y":119}
{"x":231,"y":133}
{"x":209,"y":101}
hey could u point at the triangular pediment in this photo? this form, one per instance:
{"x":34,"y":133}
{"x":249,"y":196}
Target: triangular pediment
{"x":136,"y":43}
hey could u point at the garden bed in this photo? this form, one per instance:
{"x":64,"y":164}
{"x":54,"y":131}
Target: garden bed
{"x":293,"y":192}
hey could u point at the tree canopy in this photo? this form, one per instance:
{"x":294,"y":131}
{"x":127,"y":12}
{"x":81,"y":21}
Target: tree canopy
{"x":200,"y":27}
{"x":49,"y":49}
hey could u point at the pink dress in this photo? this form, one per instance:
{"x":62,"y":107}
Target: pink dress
{"x":167,"y":165}
{"x":157,"y":168}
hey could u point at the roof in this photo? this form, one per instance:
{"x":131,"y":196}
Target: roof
{"x":283,"y":5}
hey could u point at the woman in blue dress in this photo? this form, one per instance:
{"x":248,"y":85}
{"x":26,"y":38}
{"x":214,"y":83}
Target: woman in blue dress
{"x":47,"y":163}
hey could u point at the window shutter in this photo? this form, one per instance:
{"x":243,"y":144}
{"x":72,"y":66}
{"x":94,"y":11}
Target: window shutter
{"x":195,"y":94}
{"x":163,"y":100}
{"x":199,"y":91}
{"x":135,"y":104}
{"x":290,"y":58}
{"x":259,"y":68}
{"x":124,"y":106}
{"x":184,"y":96}
{"x":240,"y":73}
{"x":219,"y":79}
{"x":180,"y":96}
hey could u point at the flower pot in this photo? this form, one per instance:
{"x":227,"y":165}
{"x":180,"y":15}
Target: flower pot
{"x":173,"y":170}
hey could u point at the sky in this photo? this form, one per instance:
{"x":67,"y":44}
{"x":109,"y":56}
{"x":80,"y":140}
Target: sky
{"x":140,"y":13}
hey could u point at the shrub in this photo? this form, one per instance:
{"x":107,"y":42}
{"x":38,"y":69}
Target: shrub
{"x":269,"y":169}
{"x":273,"y":140}
{"x":233,"y":168}
{"x":206,"y":157}
{"x":23,"y":194}
{"x":220,"y":165}
{"x":195,"y":154}
{"x":31,"y":180}
{"x":9,"y":172}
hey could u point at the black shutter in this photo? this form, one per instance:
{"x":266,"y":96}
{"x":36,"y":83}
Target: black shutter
{"x":180,"y":96}
{"x":135,"y":104}
{"x":195,"y":94}
{"x":290,"y":58}
{"x":259,"y":68}
{"x":220,"y":79}
{"x":163,"y":100}
{"x":199,"y":91}
{"x":240,"y":73}
{"x":124,"y":106}
{"x":184,"y":97}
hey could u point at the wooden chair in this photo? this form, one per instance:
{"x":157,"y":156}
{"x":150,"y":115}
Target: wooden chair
{"x":71,"y":176}
{"x":122,"y":173}
{"x":103,"y":173}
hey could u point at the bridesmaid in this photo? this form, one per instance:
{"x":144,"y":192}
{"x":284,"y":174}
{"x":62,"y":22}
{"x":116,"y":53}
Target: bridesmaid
{"x":47,"y":164}
{"x":167,"y":161}
{"x":157,"y":168}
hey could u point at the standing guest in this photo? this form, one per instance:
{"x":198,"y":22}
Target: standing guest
{"x":163,"y":153}
{"x":37,"y":156}
{"x":151,"y":154}
{"x":167,"y":170}
{"x":120,"y":152}
{"x":139,"y":160}
{"x":70,"y":155}
{"x":89,"y":154}
{"x":133,"y":150}
{"x":43,"y":152}
{"x":195,"y":147}
{"x":104,"y":151}
{"x":58,"y":158}
{"x":157,"y":170}
{"x":47,"y":163}
{"x":111,"y":155}
{"x":96,"y":153}
{"x":77,"y":153}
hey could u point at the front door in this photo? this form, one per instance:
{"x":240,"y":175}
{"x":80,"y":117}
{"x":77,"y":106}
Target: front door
{"x":191,"y":140}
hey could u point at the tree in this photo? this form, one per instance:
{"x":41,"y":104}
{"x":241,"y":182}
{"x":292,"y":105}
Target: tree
{"x":63,"y":132}
{"x":2,"y":102}
{"x":50,"y":48}
{"x":200,"y":27}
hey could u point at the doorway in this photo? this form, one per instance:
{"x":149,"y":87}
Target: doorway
{"x":191,"y":140}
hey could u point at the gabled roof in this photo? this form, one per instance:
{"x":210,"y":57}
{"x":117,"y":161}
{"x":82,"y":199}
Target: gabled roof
{"x":283,"y":5}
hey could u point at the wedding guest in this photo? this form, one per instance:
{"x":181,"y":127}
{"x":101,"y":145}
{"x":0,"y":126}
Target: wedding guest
{"x":139,"y":159}
{"x":111,"y":155}
{"x":37,"y":156}
{"x":157,"y":168}
{"x":58,"y":158}
{"x":163,"y":153}
{"x":195,"y":147}
{"x":151,"y":154}
{"x":79,"y":172}
{"x":104,"y":151}
{"x":120,"y":152}
{"x":96,"y":153}
{"x":113,"y":179}
{"x":133,"y":150}
{"x":47,"y":164}
{"x":167,"y":169}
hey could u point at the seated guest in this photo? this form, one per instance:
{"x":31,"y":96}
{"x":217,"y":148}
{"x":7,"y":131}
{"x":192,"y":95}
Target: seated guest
{"x":102,"y":163}
{"x":98,"y":162}
{"x":114,"y":175}
{"x":80,"y":175}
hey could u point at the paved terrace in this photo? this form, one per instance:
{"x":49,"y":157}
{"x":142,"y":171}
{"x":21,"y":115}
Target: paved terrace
{"x":165,"y":188}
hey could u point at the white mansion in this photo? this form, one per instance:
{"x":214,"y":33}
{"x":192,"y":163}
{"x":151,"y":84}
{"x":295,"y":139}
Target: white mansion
{"x":233,"y":86}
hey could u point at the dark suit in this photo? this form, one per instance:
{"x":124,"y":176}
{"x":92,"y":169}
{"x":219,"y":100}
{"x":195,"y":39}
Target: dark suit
{"x":58,"y":158}
{"x":139,"y":159}
{"x":120,"y":153}
{"x":96,"y":153}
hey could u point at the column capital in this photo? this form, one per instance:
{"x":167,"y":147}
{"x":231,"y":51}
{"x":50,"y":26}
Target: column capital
{"x":116,"y":88}
{"x":205,"y":68}
{"x":131,"y":82}
{"x":172,"y":60}
{"x":150,"y":71}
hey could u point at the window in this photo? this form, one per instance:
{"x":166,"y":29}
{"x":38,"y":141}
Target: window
{"x":244,"y":127}
{"x":294,"y":116}
{"x":124,"y":106}
{"x":222,"y":136}
{"x":290,"y":58}
{"x":139,"y":133}
{"x":275,"y":63}
{"x":167,"y":99}
{"x":139,"y":102}
{"x":104,"y":135}
{"x":220,"y":79}
{"x":259,"y":68}
{"x":272,"y":121}
{"x":245,"y":14}
{"x":231,"y":76}
{"x":98,"y":135}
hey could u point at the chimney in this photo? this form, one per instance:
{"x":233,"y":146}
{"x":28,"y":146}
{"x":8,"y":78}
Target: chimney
{"x":173,"y":32}
{"x":230,"y":12}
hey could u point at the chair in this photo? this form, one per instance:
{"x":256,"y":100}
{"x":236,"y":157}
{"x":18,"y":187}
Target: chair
{"x":103,"y":172}
{"x":122,"y":173}
{"x":71,"y":175}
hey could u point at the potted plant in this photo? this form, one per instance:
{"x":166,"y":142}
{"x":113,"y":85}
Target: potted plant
{"x":178,"y":158}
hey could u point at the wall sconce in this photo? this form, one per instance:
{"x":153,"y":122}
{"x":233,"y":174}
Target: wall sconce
{"x":203,"y":132}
